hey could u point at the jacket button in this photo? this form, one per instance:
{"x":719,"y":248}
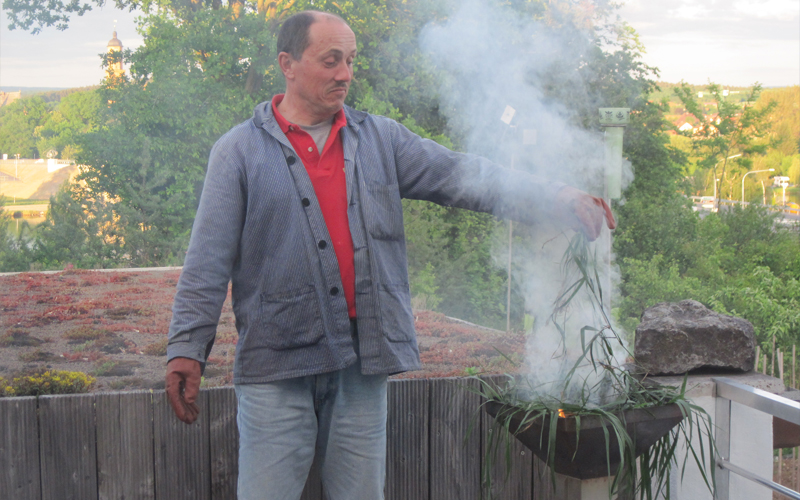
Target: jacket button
{"x":334,"y":291}
{"x":290,"y":160}
{"x":306,"y":202}
{"x":322,"y":244}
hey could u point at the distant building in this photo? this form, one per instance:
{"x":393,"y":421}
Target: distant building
{"x":9,"y":97}
{"x":115,"y":69}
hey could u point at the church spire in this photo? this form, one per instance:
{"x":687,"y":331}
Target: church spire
{"x":115,"y":45}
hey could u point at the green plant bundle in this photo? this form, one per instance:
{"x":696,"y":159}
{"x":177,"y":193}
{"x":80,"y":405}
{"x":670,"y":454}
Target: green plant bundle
{"x":46,"y":382}
{"x":526,"y":401}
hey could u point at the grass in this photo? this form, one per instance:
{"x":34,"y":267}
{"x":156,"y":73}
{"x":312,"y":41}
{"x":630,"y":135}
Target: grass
{"x":596,"y":370}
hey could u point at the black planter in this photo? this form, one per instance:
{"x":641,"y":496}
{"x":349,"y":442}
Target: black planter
{"x":585,"y":458}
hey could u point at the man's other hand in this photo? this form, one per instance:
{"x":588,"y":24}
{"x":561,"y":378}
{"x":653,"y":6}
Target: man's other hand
{"x":584,"y":212}
{"x":183,"y":385}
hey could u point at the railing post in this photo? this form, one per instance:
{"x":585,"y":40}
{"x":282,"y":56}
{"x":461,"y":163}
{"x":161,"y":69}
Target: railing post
{"x":722,"y":424}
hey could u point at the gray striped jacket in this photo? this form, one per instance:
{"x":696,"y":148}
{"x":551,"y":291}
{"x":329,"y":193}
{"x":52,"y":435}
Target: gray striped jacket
{"x":259,"y":226}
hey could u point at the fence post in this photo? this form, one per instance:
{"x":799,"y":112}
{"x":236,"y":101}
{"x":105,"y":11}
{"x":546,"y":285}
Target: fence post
{"x":407,"y":426}
{"x":19,"y":449}
{"x":722,"y":422}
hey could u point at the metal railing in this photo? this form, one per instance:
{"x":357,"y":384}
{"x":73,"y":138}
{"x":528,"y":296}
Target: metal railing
{"x":777,"y":406}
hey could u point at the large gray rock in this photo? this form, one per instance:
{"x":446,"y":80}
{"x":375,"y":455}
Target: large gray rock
{"x":684,"y":337}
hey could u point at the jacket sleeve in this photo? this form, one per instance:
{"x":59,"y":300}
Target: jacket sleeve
{"x":213,"y":249}
{"x":429,"y":171}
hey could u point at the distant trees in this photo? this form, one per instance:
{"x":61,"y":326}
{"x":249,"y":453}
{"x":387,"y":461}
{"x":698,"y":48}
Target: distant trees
{"x":32,"y":126}
{"x":738,"y":129}
{"x":19,"y":126}
{"x":144,"y":140}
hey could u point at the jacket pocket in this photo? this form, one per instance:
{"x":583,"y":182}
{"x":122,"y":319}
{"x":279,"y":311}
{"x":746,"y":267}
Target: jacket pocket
{"x":384,"y":211}
{"x":398,"y":320}
{"x":291,"y":319}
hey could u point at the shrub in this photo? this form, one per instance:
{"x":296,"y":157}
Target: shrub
{"x":37,"y":355}
{"x":158,"y":348}
{"x":16,"y":337}
{"x":47,"y":382}
{"x":85,"y":333}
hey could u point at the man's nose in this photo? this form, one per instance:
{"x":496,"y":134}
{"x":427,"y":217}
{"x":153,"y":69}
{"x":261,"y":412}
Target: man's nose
{"x":344,"y":72}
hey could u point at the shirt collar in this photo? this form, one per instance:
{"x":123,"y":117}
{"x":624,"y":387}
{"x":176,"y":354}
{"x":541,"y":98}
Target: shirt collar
{"x":339,"y":119}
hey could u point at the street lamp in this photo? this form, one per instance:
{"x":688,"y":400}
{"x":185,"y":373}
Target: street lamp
{"x":753,"y":172}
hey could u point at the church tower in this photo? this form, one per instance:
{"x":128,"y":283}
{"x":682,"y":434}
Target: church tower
{"x":115,"y":68}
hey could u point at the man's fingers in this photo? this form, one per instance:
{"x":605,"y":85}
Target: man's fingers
{"x":587,"y":212}
{"x":610,"y":221}
{"x":191,"y":387}
{"x":173,"y":388}
{"x":182,"y":386}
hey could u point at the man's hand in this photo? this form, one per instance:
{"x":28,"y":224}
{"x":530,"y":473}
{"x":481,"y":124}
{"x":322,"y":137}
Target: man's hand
{"x":584,"y":212}
{"x":183,"y":385}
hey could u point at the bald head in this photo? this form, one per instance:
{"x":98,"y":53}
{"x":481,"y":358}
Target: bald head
{"x":293,"y":37}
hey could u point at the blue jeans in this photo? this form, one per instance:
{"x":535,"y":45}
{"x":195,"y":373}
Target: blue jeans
{"x":339,"y":416}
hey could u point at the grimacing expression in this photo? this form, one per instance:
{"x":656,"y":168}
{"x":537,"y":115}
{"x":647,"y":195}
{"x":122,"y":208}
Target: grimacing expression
{"x":324,"y":72}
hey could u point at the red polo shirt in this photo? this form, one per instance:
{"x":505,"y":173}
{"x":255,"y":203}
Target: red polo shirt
{"x":326,"y":172}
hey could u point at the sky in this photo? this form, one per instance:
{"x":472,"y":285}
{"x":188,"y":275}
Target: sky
{"x":730,"y":42}
{"x":63,"y":59}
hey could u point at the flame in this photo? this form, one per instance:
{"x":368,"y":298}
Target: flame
{"x":561,"y":413}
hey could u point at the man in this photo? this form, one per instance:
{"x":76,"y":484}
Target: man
{"x":301,"y":211}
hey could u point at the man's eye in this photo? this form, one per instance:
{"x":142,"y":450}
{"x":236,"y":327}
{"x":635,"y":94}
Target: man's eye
{"x":330,"y":63}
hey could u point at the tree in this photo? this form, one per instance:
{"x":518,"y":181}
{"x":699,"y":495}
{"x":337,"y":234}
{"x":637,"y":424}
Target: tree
{"x":735,"y":129}
{"x":20,"y":124}
{"x":14,"y":254}
{"x":74,"y":115}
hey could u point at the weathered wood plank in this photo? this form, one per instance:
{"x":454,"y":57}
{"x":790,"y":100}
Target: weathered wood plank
{"x":68,"y":450}
{"x":181,"y":452}
{"x":565,"y":488}
{"x":511,"y":470}
{"x":407,"y":472}
{"x":455,"y":440}
{"x":19,"y":449}
{"x":223,"y":442}
{"x":125,"y":446}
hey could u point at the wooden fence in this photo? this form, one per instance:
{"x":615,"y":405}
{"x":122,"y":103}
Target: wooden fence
{"x":129,"y":445}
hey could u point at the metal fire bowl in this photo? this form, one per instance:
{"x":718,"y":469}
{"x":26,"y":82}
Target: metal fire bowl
{"x":585,"y":458}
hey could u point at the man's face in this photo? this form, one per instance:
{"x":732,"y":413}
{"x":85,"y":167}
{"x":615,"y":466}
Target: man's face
{"x":322,"y":76}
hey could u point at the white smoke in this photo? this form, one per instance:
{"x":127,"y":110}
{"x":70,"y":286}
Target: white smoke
{"x":492,"y":58}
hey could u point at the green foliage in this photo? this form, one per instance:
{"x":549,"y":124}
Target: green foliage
{"x":454,"y":247}
{"x":738,"y":262}
{"x":157,"y":348}
{"x":74,"y":115}
{"x":46,"y":382}
{"x":85,"y":333}
{"x":19,"y":127}
{"x":14,"y":252}
{"x":79,"y":230}
{"x":736,"y":129}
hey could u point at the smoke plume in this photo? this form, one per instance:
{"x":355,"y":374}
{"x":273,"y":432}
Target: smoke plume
{"x":493,"y":58}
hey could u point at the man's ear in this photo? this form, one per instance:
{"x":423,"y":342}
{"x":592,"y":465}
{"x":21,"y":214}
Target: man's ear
{"x":286,"y":62}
